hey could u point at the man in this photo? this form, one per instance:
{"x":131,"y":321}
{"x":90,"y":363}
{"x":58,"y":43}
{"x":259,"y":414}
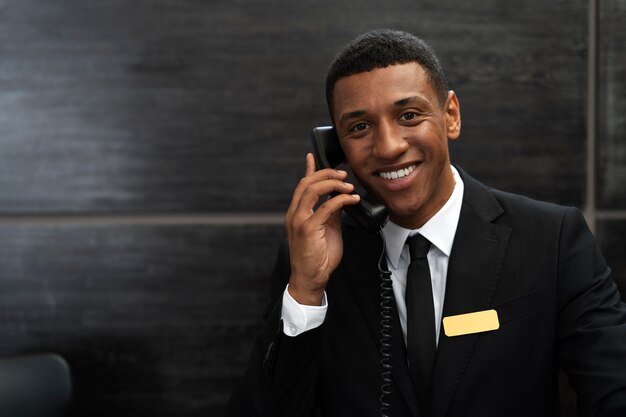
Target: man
{"x":531,"y":272}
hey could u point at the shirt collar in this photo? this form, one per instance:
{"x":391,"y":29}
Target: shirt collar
{"x":439,"y":229}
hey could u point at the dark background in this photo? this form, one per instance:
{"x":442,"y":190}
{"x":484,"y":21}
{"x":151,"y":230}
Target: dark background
{"x":149,"y":148}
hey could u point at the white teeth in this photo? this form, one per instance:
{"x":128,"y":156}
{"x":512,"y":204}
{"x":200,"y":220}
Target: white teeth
{"x":392,"y":175}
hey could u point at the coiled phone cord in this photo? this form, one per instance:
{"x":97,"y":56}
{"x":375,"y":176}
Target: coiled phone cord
{"x":386,"y":310}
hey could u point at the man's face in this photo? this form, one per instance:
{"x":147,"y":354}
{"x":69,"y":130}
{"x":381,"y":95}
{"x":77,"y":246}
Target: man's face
{"x":395,"y":132}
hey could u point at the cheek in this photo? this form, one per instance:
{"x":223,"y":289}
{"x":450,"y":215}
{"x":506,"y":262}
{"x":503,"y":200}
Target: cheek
{"x":356,"y":155}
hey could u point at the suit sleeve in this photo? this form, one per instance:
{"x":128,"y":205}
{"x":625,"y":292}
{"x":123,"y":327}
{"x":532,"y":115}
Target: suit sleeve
{"x":592,"y":322}
{"x":282,"y":372}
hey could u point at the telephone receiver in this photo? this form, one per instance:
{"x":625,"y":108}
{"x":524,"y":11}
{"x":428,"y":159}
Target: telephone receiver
{"x":368,"y":214}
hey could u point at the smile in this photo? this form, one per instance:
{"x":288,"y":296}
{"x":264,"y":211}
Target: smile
{"x":394,"y":175}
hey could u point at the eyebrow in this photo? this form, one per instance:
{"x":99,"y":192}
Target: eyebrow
{"x":352,"y":115}
{"x":407,"y":100}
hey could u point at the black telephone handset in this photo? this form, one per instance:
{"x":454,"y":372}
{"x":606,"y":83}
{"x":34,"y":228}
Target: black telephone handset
{"x":370,"y":215}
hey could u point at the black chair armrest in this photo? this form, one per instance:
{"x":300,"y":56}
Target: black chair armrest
{"x":36,"y":385}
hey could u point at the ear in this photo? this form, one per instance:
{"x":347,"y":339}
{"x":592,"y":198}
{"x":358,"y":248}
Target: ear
{"x":453,"y":116}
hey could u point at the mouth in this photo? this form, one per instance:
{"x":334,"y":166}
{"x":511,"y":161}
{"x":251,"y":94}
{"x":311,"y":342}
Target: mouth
{"x":397,"y":174}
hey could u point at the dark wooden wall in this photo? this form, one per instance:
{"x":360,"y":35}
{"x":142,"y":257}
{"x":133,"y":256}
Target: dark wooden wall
{"x":149,"y":148}
{"x":611,"y":135}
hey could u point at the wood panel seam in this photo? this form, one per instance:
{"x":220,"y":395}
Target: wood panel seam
{"x":216,"y":219}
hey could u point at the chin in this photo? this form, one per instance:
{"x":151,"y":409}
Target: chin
{"x":404,"y":211}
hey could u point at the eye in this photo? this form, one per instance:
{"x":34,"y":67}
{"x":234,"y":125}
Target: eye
{"x":410,"y":115}
{"x":358,"y":127}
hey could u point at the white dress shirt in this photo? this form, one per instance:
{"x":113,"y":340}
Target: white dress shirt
{"x":439,"y":230}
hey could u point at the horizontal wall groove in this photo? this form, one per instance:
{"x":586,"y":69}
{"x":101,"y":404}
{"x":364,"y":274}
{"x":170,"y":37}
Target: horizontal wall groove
{"x":192,"y":218}
{"x":610,"y":214}
{"x":217,"y":219}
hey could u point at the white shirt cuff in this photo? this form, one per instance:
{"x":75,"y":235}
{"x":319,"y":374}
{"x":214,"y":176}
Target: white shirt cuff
{"x":298,"y":318}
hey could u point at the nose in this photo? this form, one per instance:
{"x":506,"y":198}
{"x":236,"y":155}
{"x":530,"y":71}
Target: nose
{"x":388,"y":142}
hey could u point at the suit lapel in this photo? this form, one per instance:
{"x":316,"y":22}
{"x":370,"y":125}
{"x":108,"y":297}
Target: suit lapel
{"x":362,"y":251}
{"x":473,"y":274}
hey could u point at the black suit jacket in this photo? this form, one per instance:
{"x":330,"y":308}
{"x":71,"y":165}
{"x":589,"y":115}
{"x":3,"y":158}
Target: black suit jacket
{"x":535,"y":263}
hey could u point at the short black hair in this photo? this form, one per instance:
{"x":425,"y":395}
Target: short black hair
{"x":381,"y":48}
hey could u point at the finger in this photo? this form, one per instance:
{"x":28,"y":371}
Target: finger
{"x":311,"y":196}
{"x":306,"y":197}
{"x":310,"y":164}
{"x":333,"y":206}
{"x":306,"y":182}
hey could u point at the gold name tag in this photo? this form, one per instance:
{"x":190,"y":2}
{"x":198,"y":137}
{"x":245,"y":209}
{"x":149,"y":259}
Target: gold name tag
{"x":480,"y":321}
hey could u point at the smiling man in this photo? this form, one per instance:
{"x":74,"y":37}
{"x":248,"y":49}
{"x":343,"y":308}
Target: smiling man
{"x":395,"y":135}
{"x":491,"y":295}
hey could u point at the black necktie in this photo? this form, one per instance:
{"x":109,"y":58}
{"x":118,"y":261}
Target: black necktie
{"x":421,"y":345}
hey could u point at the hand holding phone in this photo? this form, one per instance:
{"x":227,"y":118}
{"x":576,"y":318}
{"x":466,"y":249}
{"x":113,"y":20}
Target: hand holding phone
{"x":314,"y":233}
